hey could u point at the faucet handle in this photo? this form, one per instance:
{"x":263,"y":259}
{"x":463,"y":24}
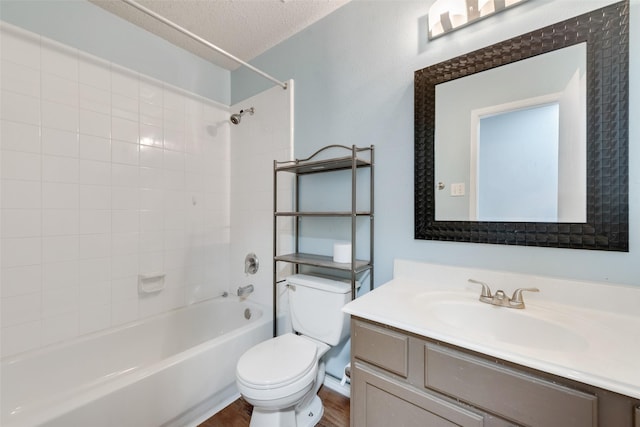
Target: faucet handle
{"x":486,"y":292}
{"x":517,"y":294}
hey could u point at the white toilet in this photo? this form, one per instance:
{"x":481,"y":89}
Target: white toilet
{"x":281,"y":377}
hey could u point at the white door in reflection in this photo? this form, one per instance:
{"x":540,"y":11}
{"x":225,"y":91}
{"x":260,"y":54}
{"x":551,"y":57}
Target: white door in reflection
{"x":517,"y":165}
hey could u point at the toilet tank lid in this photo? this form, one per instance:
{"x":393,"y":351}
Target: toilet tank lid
{"x":329,"y":284}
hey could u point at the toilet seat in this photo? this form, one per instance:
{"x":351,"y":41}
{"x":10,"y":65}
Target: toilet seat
{"x":277,"y":362}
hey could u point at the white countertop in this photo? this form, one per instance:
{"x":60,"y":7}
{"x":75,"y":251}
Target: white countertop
{"x":600,"y":347}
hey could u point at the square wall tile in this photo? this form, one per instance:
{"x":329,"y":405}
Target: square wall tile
{"x":20,"y":79}
{"x":94,"y":270}
{"x":124,"y":175}
{"x":21,"y":194}
{"x":59,"y":116}
{"x":125,"y":130}
{"x":60,"y":142}
{"x":21,"y":223}
{"x":94,"y":318}
{"x":60,"y":275}
{"x":20,"y":309}
{"x":22,"y":251}
{"x":60,"y":90}
{"x":125,"y":289}
{"x":124,"y":311}
{"x":21,"y":165}
{"x":124,"y":243}
{"x":95,"y":246}
{"x":151,"y":156}
{"x":19,"y":137}
{"x":60,"y":169}
{"x":95,"y":197}
{"x":95,"y":221}
{"x":95,"y":148}
{"x":95,"y":99}
{"x":95,"y":123}
{"x":124,"y":266}
{"x":21,"y":280}
{"x":60,"y":222}
{"x":124,"y":107}
{"x":59,"y":196}
{"x":124,"y":152}
{"x":124,"y":221}
{"x":151,"y":135}
{"x":125,"y":198}
{"x":151,"y":178}
{"x":19,"y":108}
{"x":59,"y":248}
{"x":151,"y":114}
{"x":95,"y":172}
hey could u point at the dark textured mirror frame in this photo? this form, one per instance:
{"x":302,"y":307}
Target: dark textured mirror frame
{"x":606,"y":32}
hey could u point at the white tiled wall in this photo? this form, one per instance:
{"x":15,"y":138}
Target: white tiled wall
{"x":106,"y":174}
{"x":257,"y":141}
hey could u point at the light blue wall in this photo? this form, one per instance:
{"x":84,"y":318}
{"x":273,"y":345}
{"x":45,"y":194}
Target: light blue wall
{"x":85,"y":26}
{"x":354,"y":85}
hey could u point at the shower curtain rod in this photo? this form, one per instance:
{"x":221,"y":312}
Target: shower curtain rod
{"x":203,"y":41}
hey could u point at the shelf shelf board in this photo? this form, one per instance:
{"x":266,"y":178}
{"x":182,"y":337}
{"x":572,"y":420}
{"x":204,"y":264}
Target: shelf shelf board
{"x":322,"y":261}
{"x":324,"y":214}
{"x":308,"y":167}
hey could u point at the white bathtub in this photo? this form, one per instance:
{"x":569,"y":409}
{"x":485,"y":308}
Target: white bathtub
{"x":169,"y":370}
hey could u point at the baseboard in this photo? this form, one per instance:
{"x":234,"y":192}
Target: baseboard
{"x":334,"y":384}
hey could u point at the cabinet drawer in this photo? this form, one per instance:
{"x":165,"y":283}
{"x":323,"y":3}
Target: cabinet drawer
{"x":517,"y":396}
{"x":378,"y":401}
{"x":380,"y":347}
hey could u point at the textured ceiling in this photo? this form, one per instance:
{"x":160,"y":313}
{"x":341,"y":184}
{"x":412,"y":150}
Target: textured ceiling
{"x":244,"y":28}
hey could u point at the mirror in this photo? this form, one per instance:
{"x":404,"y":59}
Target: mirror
{"x":584,"y":181}
{"x":518,"y":149}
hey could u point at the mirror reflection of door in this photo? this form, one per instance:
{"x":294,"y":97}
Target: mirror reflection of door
{"x":517,"y":165}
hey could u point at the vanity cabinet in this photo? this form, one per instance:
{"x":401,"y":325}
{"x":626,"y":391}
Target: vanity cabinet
{"x":399,"y":378}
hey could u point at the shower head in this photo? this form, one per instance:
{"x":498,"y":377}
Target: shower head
{"x":235,"y":118}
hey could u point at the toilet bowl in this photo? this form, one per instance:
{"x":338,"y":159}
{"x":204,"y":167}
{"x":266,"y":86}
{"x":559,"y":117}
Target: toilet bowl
{"x":280,"y":377}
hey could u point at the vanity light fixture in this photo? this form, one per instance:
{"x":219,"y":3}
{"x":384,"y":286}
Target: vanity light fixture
{"x":449,"y":15}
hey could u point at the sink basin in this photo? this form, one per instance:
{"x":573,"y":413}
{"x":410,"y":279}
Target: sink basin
{"x":529,"y":327}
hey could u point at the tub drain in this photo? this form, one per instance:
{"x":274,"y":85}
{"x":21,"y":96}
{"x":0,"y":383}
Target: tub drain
{"x":247,"y":313}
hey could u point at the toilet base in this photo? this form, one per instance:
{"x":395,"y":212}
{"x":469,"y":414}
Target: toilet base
{"x":310,"y":415}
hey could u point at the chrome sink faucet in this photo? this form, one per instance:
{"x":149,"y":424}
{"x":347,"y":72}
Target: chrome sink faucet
{"x":500,"y":298}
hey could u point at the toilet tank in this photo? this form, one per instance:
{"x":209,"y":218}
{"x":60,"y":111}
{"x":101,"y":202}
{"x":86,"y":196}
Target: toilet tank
{"x":315,"y":305}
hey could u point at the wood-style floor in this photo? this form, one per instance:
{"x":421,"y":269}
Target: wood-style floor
{"x":238,"y":414}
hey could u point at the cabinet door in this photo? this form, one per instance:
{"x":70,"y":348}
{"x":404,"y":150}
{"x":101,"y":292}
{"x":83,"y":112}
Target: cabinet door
{"x":637,"y":413}
{"x":378,"y":401}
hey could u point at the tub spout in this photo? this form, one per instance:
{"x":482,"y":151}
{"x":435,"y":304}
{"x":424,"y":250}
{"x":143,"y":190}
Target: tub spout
{"x":243,"y":291}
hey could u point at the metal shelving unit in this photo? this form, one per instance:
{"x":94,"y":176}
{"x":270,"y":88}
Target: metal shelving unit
{"x":359,"y":157}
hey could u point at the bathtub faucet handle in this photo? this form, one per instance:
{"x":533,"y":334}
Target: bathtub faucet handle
{"x":251,"y":263}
